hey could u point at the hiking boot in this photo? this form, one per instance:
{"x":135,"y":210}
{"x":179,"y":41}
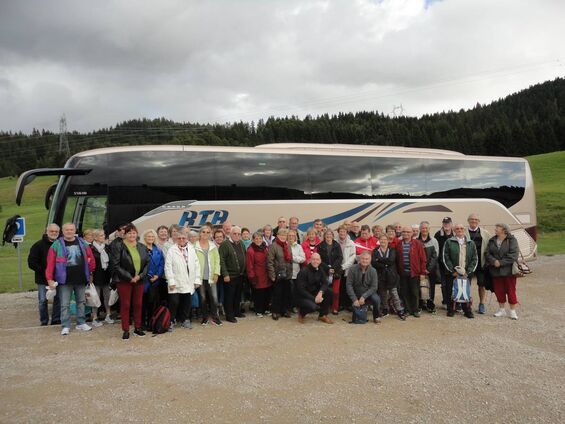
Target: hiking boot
{"x":482,"y":308}
{"x":125,"y":336}
{"x":513,"y":314}
{"x":65,"y":331}
{"x":139,"y":332}
{"x":84,"y":327}
{"x":500,"y":313}
{"x":325,"y":319}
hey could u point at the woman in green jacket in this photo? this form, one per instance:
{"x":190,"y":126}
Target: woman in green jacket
{"x":209,"y":259}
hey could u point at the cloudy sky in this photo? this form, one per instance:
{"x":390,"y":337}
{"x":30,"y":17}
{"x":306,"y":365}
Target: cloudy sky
{"x":220,"y":61}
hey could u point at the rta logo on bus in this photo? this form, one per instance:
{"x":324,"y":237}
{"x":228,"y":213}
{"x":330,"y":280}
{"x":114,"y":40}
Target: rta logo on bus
{"x":189,"y":218}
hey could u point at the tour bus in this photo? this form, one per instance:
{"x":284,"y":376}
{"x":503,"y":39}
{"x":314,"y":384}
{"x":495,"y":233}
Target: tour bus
{"x":253,"y":186}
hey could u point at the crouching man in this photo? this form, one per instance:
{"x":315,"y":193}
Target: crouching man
{"x":312,"y":292}
{"x":362,"y":284}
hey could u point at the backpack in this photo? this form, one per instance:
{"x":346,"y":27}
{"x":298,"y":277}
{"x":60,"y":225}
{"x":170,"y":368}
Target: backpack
{"x":10,"y":230}
{"x":161,"y":320}
{"x":359,"y":315}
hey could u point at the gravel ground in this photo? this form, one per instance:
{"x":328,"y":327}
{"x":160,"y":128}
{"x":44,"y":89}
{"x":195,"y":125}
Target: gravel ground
{"x":429,"y":370}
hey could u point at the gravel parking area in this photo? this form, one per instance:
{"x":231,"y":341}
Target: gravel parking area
{"x":429,"y":370}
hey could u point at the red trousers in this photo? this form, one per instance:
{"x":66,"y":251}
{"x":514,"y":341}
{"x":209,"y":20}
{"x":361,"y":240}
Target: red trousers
{"x":505,"y":286}
{"x":335,"y":289}
{"x":130,"y":294}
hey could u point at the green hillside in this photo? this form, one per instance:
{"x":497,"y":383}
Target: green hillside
{"x":549,"y":178}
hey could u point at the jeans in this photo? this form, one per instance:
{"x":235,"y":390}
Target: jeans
{"x":43,"y":307}
{"x":65,"y":292}
{"x":307,"y":305}
{"x":208,"y":299}
{"x":376,"y":301}
{"x":410,"y":292}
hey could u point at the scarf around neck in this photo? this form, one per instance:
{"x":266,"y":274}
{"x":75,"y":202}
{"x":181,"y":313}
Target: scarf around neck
{"x":284,"y":245}
{"x":104,"y":259}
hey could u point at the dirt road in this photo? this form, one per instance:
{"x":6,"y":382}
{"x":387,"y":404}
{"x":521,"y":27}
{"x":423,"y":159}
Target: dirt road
{"x":433,"y":369}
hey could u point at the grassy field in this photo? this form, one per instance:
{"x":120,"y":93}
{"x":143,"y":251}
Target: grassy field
{"x":549,"y":179}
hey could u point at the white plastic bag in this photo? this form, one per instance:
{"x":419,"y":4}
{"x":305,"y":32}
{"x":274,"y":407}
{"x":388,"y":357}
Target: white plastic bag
{"x":113,"y":297}
{"x":50,"y":293}
{"x":92,"y":298}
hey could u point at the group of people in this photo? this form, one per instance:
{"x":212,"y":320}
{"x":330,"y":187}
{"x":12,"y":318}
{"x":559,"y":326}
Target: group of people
{"x":280,"y":270}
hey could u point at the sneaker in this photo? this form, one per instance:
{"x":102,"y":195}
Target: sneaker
{"x":267,"y":313}
{"x":450,"y":313}
{"x":187,"y":324}
{"x":65,"y":331}
{"x":96,"y":323}
{"x":204,"y":321}
{"x":125,"y":336}
{"x":259,"y":315}
{"x":500,"y":313}
{"x":240,"y":315}
{"x":232,"y":320}
{"x":513,"y":314}
{"x":56,"y":322}
{"x":44,"y":324}
{"x":469,"y":314}
{"x":139,"y":332}
{"x":171,"y":328}
{"x":108,"y":319}
{"x":482,"y":308}
{"x":84,"y":327}
{"x":416,"y":314}
{"x":216,"y":321}
{"x":377,"y":320}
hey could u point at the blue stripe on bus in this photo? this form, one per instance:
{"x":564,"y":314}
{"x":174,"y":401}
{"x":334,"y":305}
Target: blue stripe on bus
{"x":335,"y":218}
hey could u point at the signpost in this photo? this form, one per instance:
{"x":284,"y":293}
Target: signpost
{"x":18,"y":239}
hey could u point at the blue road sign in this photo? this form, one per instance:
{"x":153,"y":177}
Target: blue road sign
{"x":21,"y":223}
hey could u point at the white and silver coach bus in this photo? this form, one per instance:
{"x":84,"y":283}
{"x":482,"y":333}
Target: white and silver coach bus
{"x":253,"y":186}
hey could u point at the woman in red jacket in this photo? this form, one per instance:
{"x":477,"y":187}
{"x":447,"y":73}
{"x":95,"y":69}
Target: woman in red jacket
{"x":310,"y":245}
{"x":256,"y":266}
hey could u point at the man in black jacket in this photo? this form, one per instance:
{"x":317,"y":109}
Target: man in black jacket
{"x":312,"y":292}
{"x":442,"y":235}
{"x":37,"y":261}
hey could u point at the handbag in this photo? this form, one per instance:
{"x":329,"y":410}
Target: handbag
{"x":461,"y":290}
{"x":424,"y":288}
{"x":359,"y":315}
{"x":520,"y":268}
{"x":113,"y":297}
{"x":91,"y":296}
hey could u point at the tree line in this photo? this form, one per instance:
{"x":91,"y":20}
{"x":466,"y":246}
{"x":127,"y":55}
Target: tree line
{"x":529,"y":122}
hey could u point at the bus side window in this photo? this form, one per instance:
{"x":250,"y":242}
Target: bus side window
{"x":70,"y":208}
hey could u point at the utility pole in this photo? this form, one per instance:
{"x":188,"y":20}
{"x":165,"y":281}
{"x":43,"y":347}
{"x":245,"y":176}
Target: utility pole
{"x":63,"y":140}
{"x":400,"y":110}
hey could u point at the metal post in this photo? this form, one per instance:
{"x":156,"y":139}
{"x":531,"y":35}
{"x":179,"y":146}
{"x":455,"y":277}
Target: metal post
{"x":21,"y":284}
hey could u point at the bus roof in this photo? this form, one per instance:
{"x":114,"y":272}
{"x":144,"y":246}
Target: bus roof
{"x":305,"y":149}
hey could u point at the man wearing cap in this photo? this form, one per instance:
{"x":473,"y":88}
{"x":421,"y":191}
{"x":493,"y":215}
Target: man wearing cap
{"x":481,"y":237}
{"x":442,"y":235}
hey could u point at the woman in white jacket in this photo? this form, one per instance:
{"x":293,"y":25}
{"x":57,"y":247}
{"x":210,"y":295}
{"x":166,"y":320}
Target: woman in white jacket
{"x":348,"y":250}
{"x":182,"y":270}
{"x":298,"y":258}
